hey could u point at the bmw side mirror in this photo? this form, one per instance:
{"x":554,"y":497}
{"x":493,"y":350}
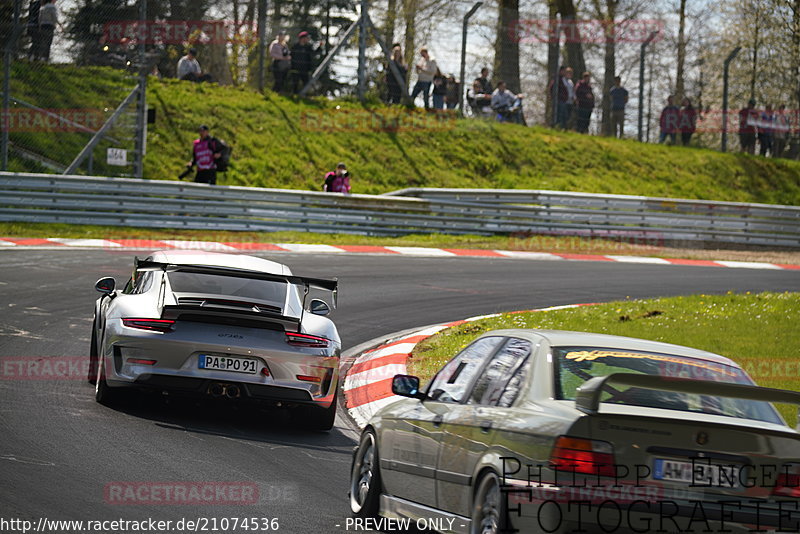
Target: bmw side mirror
{"x":319,"y":307}
{"x":407,"y":386}
{"x":105,"y":285}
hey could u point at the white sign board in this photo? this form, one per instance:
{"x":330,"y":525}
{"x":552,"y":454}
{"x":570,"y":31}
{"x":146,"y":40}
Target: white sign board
{"x":117,"y":156}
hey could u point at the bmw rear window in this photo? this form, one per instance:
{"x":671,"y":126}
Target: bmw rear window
{"x":576,"y":365}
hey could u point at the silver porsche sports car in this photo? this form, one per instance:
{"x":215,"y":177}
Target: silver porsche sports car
{"x":555,"y":432}
{"x":233,"y":327}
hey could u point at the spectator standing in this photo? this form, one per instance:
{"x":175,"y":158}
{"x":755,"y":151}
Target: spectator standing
{"x":668,"y":122}
{"x":766,"y":131}
{"x":748,"y":116}
{"x":337,"y":181}
{"x":506,"y":104}
{"x":687,"y":121}
{"x":568,"y":72}
{"x":486,"y":84}
{"x":781,"y":131}
{"x":302,"y":58}
{"x":584,"y":98}
{"x":32,"y":28}
{"x":189,"y":68}
{"x":394,"y":87}
{"x":205,"y":152}
{"x":479,"y":101}
{"x":281,"y":60}
{"x":426,"y":69}
{"x":619,"y":99}
{"x":563,"y":95}
{"x":453,"y":92}
{"x":48,"y":20}
{"x":439,"y":89}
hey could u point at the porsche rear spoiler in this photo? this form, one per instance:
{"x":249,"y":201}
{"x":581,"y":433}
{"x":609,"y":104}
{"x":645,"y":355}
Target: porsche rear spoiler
{"x":319,"y":283}
{"x":290,"y":322}
{"x":587,"y":398}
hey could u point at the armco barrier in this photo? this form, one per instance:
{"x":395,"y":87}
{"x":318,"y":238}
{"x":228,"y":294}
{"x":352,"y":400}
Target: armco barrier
{"x":172,"y":204}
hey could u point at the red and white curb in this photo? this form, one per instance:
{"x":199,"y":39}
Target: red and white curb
{"x":213,"y":246}
{"x":368,"y":384}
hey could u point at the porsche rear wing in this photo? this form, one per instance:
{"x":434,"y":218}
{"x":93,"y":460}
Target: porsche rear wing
{"x":293,"y":323}
{"x":307,"y":282}
{"x":587,"y":398}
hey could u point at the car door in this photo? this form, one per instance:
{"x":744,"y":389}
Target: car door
{"x":467,"y":428}
{"x":411,"y":452}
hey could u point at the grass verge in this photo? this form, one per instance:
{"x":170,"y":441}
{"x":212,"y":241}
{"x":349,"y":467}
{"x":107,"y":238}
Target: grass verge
{"x":758,"y":331}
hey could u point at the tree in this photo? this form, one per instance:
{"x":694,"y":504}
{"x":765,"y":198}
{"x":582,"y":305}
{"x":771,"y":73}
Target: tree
{"x":507,"y":44}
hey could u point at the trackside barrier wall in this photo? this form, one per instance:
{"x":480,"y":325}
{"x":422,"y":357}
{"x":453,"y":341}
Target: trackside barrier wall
{"x":173,"y":204}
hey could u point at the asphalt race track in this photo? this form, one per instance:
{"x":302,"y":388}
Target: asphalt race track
{"x":59,"y":449}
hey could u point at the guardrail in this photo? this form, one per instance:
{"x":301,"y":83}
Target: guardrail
{"x":171,"y":204}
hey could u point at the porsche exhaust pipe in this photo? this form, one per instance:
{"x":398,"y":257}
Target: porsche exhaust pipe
{"x":232,"y":392}
{"x":216,"y":390}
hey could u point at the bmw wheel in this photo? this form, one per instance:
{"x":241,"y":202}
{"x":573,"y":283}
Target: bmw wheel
{"x":365,"y":478}
{"x":487,"y":508}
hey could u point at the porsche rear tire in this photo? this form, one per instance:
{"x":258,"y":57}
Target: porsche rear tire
{"x":321,"y":418}
{"x":103,"y":393}
{"x":92,"y":375}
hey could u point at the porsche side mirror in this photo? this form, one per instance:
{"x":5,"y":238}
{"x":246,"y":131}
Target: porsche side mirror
{"x":105,"y":285}
{"x":407,"y":386}
{"x":319,"y":307}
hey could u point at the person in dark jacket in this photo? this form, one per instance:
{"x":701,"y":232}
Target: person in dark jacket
{"x":33,"y":28}
{"x":748,"y":116}
{"x":668,"y":121}
{"x":687,"y":121}
{"x":302,"y":60}
{"x":393,"y":86}
{"x":584,"y":100}
{"x":439,"y":89}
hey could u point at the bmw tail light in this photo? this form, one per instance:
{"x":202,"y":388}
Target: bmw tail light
{"x":585,"y":456}
{"x":154,"y":325}
{"x":304,"y":340}
{"x":788,"y":483}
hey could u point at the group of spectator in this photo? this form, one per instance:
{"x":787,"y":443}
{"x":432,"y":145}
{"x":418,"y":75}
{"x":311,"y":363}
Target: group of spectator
{"x":769,"y":126}
{"x":574,"y":102}
{"x":431,"y":82}
{"x":293,"y":64}
{"x":676,"y":120}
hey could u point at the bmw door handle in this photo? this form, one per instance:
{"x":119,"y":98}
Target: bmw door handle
{"x":437,"y":421}
{"x":486,"y":426}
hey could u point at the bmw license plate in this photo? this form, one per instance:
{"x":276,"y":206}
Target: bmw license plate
{"x":699,"y":473}
{"x":228,"y":363}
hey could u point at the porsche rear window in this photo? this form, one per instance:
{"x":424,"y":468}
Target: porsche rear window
{"x":576,"y":365}
{"x":273,"y":293}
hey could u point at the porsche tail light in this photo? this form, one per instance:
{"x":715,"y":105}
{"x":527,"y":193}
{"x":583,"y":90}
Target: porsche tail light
{"x":788,"y":483}
{"x":585,"y":456}
{"x":305,"y":340}
{"x":309,"y":378}
{"x":154,"y":325}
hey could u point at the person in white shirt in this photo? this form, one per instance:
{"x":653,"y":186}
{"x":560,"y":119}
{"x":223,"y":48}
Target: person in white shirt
{"x":507,"y":104}
{"x":281,"y":60}
{"x":189,"y":68}
{"x":426,"y":69}
{"x":48,"y":20}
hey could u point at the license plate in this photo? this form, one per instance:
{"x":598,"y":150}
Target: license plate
{"x":699,"y":473}
{"x":228,"y":363}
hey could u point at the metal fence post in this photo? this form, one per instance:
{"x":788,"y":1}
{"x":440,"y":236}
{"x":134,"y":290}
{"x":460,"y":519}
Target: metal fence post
{"x":464,"y":54}
{"x":262,"y":42}
{"x":141,"y":105}
{"x":7,"y":58}
{"x":725,"y":73}
{"x":641,"y":80}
